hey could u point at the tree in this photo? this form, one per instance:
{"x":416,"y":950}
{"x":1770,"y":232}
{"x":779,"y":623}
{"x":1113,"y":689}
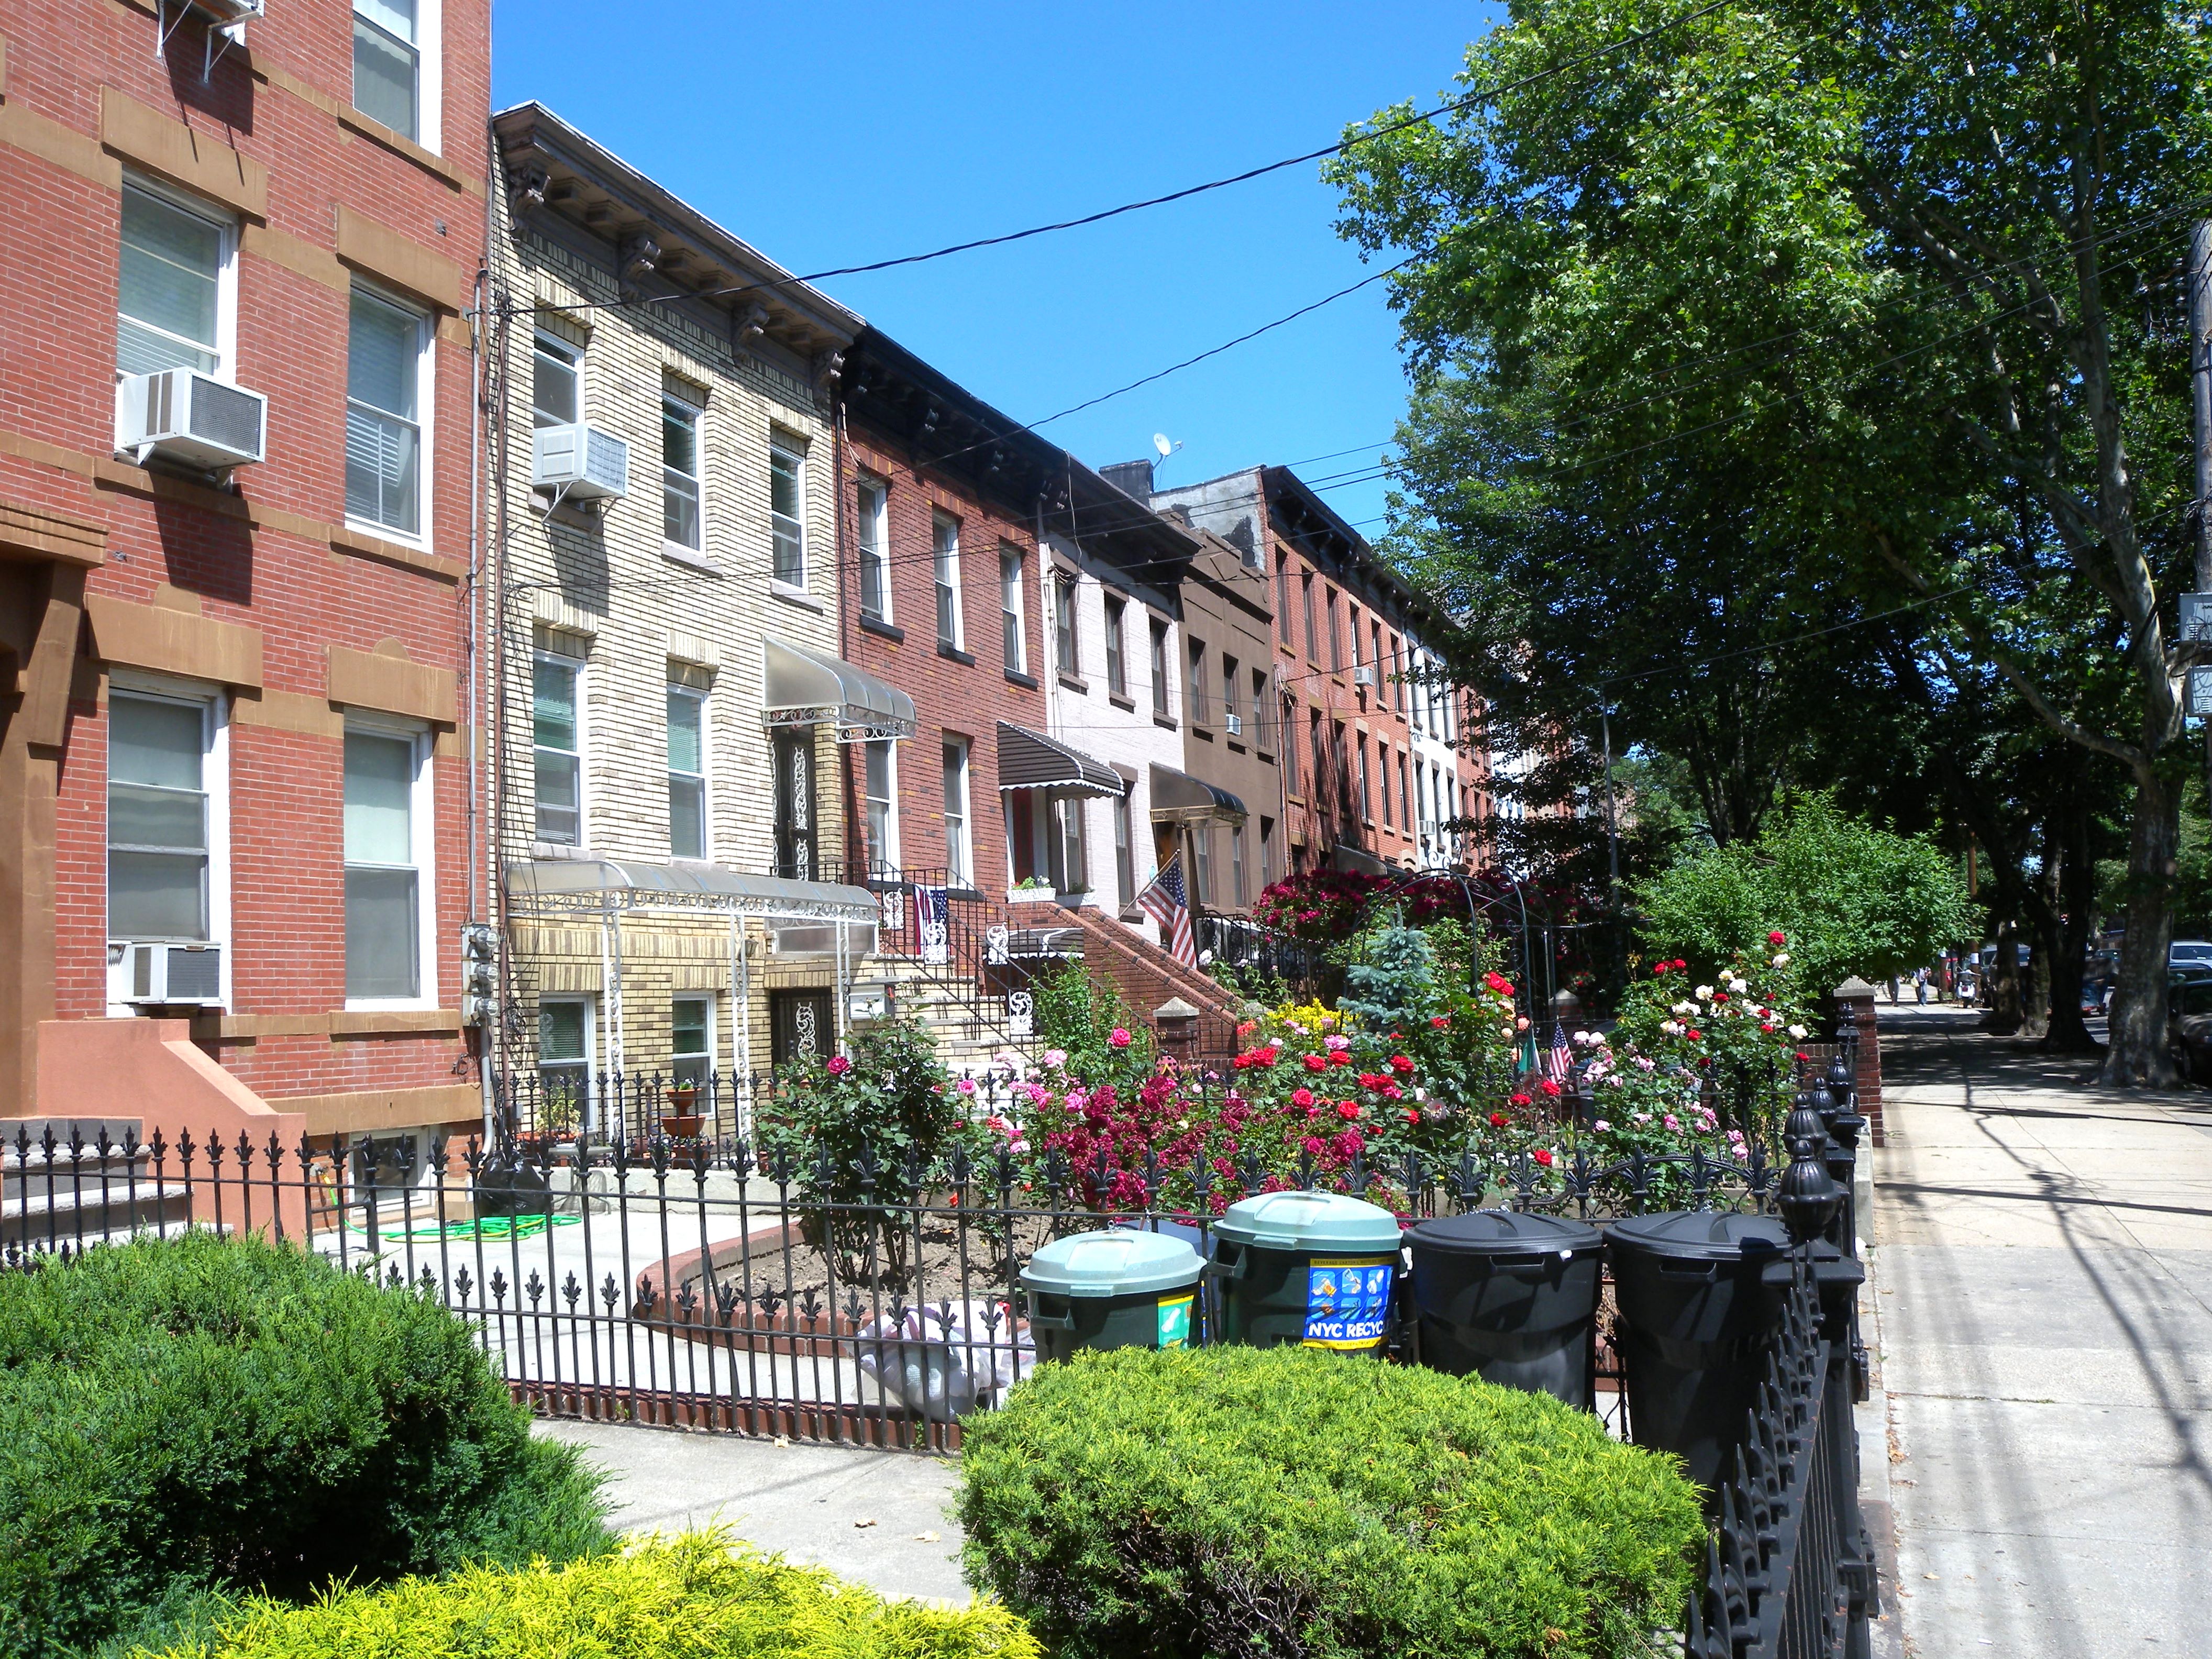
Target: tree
{"x":1849,"y":898}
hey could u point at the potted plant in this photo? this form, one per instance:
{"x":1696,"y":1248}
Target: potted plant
{"x":1031,"y":890}
{"x":681,"y":1122}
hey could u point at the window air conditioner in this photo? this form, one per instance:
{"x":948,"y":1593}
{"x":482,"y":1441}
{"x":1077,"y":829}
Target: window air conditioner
{"x":165,"y":975}
{"x":1363,"y":674}
{"x":579,"y":463}
{"x":1236,"y":723}
{"x":183,"y":414}
{"x":228,"y":12}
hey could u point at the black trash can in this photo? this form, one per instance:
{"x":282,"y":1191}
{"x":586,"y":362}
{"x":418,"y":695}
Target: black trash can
{"x":1510,"y":1297}
{"x":1117,"y":1288}
{"x":1694,"y":1315}
{"x":1318,"y":1269}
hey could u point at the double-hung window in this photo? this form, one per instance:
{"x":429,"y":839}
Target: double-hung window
{"x":680,"y":476}
{"x":1067,"y":659}
{"x":557,"y":734}
{"x":556,"y":373}
{"x":1237,"y":865}
{"x":1263,"y":715}
{"x":1290,"y":755}
{"x":1283,"y":598}
{"x":564,"y":1061}
{"x":1011,"y":621}
{"x":879,"y":790}
{"x":157,"y":817}
{"x":1232,"y":688}
{"x":959,"y":862}
{"x":1124,"y":854}
{"x":872,"y":512}
{"x":173,"y":288}
{"x":384,"y":885}
{"x":1160,"y":706}
{"x":690,"y":1042}
{"x":385,"y":358}
{"x":687,"y":773}
{"x":787,"y":511}
{"x":1201,"y":862}
{"x":387,"y":63}
{"x":1313,"y":639}
{"x":1117,"y":647}
{"x":945,"y":569}
{"x":1193,"y":693}
{"x":1366,"y":797}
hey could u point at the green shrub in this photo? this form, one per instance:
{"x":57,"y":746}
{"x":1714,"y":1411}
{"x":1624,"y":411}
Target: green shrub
{"x":206,"y":1413}
{"x":1289,"y":1502}
{"x":694,"y":1598}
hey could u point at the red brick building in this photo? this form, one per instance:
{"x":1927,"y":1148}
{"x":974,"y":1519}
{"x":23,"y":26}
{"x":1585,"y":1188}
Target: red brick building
{"x":235,"y":537}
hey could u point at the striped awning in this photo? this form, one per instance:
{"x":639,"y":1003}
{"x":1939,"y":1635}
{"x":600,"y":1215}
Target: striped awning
{"x":1030,"y":760}
{"x":1179,"y":798}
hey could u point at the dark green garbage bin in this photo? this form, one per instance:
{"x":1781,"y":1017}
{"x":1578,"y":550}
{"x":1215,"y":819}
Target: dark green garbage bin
{"x":1510,"y":1297}
{"x":1119,"y":1288}
{"x":1694,"y":1317}
{"x":1315,"y":1268}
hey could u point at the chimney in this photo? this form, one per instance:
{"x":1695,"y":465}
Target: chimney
{"x":1132,"y":478}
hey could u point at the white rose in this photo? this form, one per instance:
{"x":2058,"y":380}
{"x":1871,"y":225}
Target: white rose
{"x":1705,"y":993}
{"x":1685,"y":1008}
{"x":1782,"y":961}
{"x":1797,"y":1031}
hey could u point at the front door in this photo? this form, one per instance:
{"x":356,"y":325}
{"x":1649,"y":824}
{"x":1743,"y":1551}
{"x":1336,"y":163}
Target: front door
{"x":799,"y":1025}
{"x":793,"y":753}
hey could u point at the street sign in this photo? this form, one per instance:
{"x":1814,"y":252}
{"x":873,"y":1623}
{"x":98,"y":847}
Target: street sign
{"x":2195,"y":621}
{"x":2200,"y":692}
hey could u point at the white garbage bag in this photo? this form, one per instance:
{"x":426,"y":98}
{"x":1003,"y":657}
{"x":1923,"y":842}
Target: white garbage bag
{"x":942,"y":1362}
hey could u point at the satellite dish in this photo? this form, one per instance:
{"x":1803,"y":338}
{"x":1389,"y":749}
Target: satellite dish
{"x":1160,"y":443}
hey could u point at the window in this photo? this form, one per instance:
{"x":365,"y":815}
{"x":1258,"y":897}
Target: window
{"x":1117,"y":647}
{"x":1232,"y":686}
{"x":1283,"y":598}
{"x":691,"y":1042}
{"x":1354,"y":621}
{"x":944,"y":564}
{"x":1335,"y":639}
{"x":1421,"y":799}
{"x":383,"y":433}
{"x":786,"y":497}
{"x":1320,"y":760}
{"x":1366,"y":798}
{"x":1010,"y":609}
{"x":1341,"y":754}
{"x":1193,"y":693}
{"x":1405,"y":796}
{"x":1290,"y":750}
{"x":879,"y":792}
{"x":1124,"y":854}
{"x":1262,"y":712}
{"x":1160,"y":671}
{"x":1313,"y":641}
{"x":1201,"y":862}
{"x":555,"y":369}
{"x":1237,"y":865}
{"x":872,"y":504}
{"x":1067,"y":659}
{"x":959,"y":860}
{"x":564,"y":1060}
{"x":1397,"y":672}
{"x":1375,"y":656}
{"x":157,"y":818}
{"x":1071,"y":851}
{"x":559,"y":746}
{"x":172,"y":287}
{"x":687,"y":768}
{"x":1267,"y":852}
{"x":383,"y":884}
{"x":387,"y":63}
{"x":1382,"y":763}
{"x":680,"y":474}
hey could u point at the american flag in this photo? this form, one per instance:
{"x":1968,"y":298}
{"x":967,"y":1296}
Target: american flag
{"x":1558,"y":1063}
{"x":1166,"y":903}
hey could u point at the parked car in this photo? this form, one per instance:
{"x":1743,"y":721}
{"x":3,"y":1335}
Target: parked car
{"x":2189,"y":1024}
{"x":2187,"y":954}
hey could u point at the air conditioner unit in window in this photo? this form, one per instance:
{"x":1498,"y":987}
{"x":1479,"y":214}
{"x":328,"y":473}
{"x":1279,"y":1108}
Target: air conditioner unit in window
{"x":165,"y":975}
{"x":182,"y":415}
{"x":579,"y":463}
{"x":227,"y":12}
{"x":1363,"y":674}
{"x":1236,"y":723}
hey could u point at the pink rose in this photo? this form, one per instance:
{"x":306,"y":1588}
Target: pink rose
{"x":1120,"y":1037}
{"x":839,"y":1066}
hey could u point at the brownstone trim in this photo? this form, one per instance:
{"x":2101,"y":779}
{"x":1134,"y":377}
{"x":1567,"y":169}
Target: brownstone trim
{"x":387,"y":1108}
{"x":40,"y":533}
{"x":198,"y":161}
{"x":395,"y":1022}
{"x":400,"y":260}
{"x":172,"y":641}
{"x":343,"y":539}
{"x":384,"y":679}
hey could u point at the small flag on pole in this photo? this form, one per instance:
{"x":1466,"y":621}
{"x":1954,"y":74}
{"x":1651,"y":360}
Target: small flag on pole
{"x":1166,"y":903}
{"x":1561,"y":1059}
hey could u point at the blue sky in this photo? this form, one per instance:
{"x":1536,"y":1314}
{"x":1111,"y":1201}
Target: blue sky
{"x":830,"y":134}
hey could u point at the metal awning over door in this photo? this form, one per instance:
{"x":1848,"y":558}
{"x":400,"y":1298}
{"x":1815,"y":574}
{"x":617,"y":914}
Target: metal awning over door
{"x":1179,"y":798}
{"x":804,"y":687}
{"x":551,"y":887}
{"x":1030,"y":760}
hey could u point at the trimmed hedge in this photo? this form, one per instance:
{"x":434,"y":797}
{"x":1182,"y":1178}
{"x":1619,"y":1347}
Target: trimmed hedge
{"x":693,"y":1597}
{"x":1293,"y":1501}
{"x":206,"y":1413}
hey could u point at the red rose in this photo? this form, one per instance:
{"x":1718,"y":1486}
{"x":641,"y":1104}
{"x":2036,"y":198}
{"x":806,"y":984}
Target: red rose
{"x":1767,"y":1025}
{"x":1695,"y":1036}
{"x":1414,"y":1118}
{"x":1720,"y":996}
{"x":1778,"y":937}
{"x":1438,"y":1023}
{"x":1402,"y":1065}
{"x":1543,"y":1155}
{"x":1301,"y":1097}
{"x":1498,"y":1120}
{"x":1347,"y":1108}
{"x":1662,"y":968}
{"x":839,"y":1066}
{"x":1315,"y":1063}
{"x":1341,"y":1057}
{"x":1551,"y":1089}
{"x":1679,"y":964}
{"x":1807,"y":1058}
{"x":1517,"y":1100}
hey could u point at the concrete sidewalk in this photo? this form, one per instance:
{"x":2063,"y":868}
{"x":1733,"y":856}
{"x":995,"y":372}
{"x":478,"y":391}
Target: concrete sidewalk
{"x":803,"y":1501}
{"x":2043,"y":1253}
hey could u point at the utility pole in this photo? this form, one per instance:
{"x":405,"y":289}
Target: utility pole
{"x":2198,"y":281}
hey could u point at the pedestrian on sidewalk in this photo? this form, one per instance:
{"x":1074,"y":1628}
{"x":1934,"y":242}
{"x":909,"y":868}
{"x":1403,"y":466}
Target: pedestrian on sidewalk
{"x":1920,"y":986}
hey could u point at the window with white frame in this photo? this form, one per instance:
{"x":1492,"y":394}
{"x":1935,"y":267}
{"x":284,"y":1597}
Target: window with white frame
{"x":1237,"y":865}
{"x":565,"y":1036}
{"x":557,"y":732}
{"x":1160,"y":705}
{"x":945,"y":569}
{"x":158,"y":817}
{"x":389,"y":83}
{"x":1117,"y":647}
{"x":1232,"y":688}
{"x":385,"y":358}
{"x":879,"y":790}
{"x":556,"y":373}
{"x":1193,"y":690}
{"x":959,"y":854}
{"x":1125,"y":852}
{"x":679,"y":475}
{"x":173,"y":288}
{"x":691,"y":1041}
{"x":787,"y":511}
{"x":385,"y":848}
{"x":1011,"y":619}
{"x":1067,"y":654}
{"x":871,"y":502}
{"x":687,"y":772}
{"x":1201,"y":862}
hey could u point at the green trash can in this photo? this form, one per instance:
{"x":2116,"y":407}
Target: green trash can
{"x":1119,"y":1288}
{"x":1313,"y":1268}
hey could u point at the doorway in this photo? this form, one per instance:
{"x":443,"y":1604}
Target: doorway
{"x":799,"y":1025}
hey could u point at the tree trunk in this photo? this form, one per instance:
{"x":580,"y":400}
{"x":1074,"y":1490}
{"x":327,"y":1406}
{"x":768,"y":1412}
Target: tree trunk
{"x":2044,"y":927}
{"x":2004,"y":1018}
{"x":2138,"y":1057}
{"x":2077,"y":902}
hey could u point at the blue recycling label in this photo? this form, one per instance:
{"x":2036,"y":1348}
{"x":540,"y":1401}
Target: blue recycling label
{"x":1347,"y":1303}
